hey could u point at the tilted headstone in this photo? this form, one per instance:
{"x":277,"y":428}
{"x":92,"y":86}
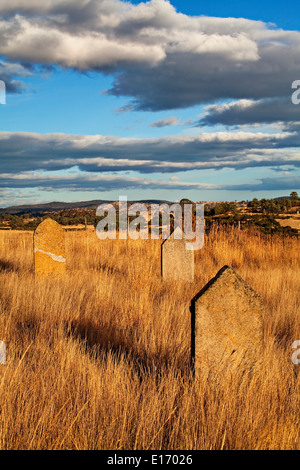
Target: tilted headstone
{"x":226,"y":325}
{"x":49,"y":248}
{"x":176,"y":261}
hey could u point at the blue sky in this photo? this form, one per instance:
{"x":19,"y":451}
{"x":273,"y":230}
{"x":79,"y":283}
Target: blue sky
{"x":285,"y":14}
{"x":159,"y":100}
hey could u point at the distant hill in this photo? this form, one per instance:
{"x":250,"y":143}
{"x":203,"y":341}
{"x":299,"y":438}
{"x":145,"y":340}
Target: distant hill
{"x":60,"y":206}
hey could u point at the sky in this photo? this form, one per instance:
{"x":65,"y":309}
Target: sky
{"x":149,"y":100}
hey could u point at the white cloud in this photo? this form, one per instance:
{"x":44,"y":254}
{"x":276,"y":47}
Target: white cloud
{"x":165,"y":59}
{"x":116,"y":32}
{"x":23,"y":152}
{"x":51,"y":32}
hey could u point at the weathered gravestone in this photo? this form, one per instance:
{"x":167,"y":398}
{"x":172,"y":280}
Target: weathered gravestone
{"x":176,"y":261}
{"x":226,"y":325}
{"x":49,"y":248}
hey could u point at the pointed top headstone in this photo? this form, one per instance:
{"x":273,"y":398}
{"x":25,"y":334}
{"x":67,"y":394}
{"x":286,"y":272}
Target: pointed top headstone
{"x":177,"y":263}
{"x":226,"y":324}
{"x":49,"y":248}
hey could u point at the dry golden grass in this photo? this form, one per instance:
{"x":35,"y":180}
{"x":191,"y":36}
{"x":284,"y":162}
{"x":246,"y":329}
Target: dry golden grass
{"x":293,"y":222}
{"x":101,"y":358}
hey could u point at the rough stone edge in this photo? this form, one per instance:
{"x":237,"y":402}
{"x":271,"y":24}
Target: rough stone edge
{"x":216,"y":277}
{"x":199,"y":294}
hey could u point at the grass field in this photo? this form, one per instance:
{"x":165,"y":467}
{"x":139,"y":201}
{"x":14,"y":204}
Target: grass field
{"x":293,"y":222}
{"x":101,"y":358}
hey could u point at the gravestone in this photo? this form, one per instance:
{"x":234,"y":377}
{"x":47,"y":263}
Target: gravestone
{"x":49,"y":248}
{"x":177,"y":263}
{"x":226,"y":325}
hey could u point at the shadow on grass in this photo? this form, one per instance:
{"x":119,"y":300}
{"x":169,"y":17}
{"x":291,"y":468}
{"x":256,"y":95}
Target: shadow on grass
{"x":7,"y":266}
{"x":109,"y":339}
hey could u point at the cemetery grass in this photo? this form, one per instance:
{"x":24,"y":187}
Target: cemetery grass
{"x":100,"y":359}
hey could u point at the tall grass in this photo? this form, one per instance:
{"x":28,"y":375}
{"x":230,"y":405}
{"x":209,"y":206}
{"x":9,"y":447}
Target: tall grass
{"x":101,"y":358}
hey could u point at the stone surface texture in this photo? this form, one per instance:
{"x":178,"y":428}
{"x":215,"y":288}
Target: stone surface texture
{"x":177,"y":263}
{"x":226,"y":324}
{"x":49,"y":248}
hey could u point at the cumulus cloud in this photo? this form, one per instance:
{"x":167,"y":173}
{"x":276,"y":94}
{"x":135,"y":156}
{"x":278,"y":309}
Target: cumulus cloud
{"x":161,"y":59}
{"x":269,"y":110}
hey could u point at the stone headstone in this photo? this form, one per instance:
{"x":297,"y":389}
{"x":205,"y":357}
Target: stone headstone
{"x":226,"y":325}
{"x":49,"y":248}
{"x":177,"y":263}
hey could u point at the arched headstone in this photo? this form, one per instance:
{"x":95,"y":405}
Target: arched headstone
{"x":226,"y":325}
{"x":176,"y":261}
{"x":49,"y":248}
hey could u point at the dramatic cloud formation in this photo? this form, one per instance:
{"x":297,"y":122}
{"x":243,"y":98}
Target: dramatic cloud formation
{"x":187,"y":60}
{"x":82,"y":163}
{"x":30,"y":152}
{"x":159,"y":59}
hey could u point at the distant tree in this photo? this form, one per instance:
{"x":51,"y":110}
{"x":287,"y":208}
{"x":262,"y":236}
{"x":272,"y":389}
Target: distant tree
{"x":294,"y":198}
{"x":224,"y":208}
{"x":185,"y":201}
{"x":285,"y":204}
{"x":254,"y":205}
